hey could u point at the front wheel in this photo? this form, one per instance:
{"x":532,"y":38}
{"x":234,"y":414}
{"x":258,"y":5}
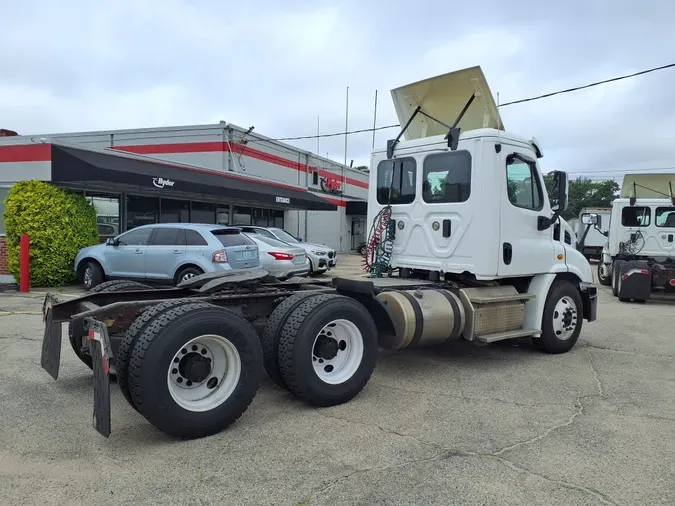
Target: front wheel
{"x":187,"y":274}
{"x":92,"y":275}
{"x":604,"y":277}
{"x":562,"y":318}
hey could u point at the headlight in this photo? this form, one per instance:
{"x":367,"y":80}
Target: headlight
{"x":319,"y":253}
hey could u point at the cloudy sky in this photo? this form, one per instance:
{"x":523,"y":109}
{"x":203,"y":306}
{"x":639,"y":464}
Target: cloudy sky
{"x":80,"y":65}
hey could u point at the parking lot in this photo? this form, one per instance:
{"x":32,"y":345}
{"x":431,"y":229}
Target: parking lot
{"x":503,"y":424}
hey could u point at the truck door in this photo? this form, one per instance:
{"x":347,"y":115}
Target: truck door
{"x":524,"y":249}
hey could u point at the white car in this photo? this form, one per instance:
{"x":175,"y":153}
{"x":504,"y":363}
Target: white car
{"x":281,"y":259}
{"x":321,"y":257}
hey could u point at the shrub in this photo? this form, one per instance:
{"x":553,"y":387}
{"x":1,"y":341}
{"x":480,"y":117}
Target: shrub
{"x":59,"y":223}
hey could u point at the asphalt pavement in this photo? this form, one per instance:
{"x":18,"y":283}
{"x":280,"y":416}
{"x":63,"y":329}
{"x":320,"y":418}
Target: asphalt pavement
{"x":503,"y":424}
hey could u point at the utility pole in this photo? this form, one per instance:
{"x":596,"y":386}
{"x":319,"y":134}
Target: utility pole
{"x":346,"y":123}
{"x":374,"y":119}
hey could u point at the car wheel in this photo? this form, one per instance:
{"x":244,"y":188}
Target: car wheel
{"x":362,"y":250}
{"x":92,"y":275}
{"x":187,"y":274}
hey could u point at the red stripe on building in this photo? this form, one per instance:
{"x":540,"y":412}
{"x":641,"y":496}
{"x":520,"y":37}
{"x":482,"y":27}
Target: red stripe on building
{"x":26,"y":153}
{"x":209,"y":147}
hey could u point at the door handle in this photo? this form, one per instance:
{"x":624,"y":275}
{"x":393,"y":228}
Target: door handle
{"x":138,"y":251}
{"x":176,"y":252}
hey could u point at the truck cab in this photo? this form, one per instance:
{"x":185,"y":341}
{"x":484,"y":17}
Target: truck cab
{"x":456,"y":200}
{"x":475,"y":206}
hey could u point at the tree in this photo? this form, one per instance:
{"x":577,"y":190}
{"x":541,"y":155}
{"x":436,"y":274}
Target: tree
{"x":584,"y":192}
{"x":58,"y":222}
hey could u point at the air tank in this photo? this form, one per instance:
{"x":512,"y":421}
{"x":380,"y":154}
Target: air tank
{"x":425,"y":317}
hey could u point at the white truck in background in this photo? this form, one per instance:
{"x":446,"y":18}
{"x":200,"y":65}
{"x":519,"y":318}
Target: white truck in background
{"x":591,"y":240}
{"x":638,"y":258}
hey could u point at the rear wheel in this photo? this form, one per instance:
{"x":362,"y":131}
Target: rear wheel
{"x":616,"y":272}
{"x":328,"y":349}
{"x":92,"y":275}
{"x":272,"y":334}
{"x":187,"y":274}
{"x":195,"y":370}
{"x":604,"y":274}
{"x":116,"y":285}
{"x":562,"y":319}
{"x":362,"y":250}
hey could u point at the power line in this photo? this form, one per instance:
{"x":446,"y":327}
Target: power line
{"x":619,"y":171}
{"x":522,"y":100}
{"x":597,"y":83}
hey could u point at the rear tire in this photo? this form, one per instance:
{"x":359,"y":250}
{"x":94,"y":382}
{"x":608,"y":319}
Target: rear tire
{"x":131,"y":337}
{"x":604,"y":278}
{"x":187,"y":273}
{"x":362,"y":250}
{"x":92,"y":275}
{"x":562,"y":318}
{"x":220,"y":389}
{"x":326,"y":330}
{"x":616,"y":272}
{"x":116,"y":285}
{"x":272,"y":334}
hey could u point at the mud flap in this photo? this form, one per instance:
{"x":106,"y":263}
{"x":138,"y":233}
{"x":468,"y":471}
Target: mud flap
{"x":101,"y":353}
{"x":51,"y":341}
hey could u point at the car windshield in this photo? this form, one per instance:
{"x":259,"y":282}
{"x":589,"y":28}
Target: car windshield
{"x":285,"y":236}
{"x":231,"y":238}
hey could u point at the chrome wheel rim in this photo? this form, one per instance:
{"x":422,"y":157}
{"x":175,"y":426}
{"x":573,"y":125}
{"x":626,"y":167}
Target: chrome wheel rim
{"x":337,"y":351}
{"x":204,"y":373}
{"x":187,"y":275}
{"x":565,"y":318}
{"x":88,"y":277}
{"x":603,"y":271}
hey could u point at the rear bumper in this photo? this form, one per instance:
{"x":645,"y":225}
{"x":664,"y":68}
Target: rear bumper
{"x":589,"y":300}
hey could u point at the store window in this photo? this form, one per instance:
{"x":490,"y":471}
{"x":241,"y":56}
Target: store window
{"x":223,"y":215}
{"x":241,"y":216}
{"x":261,"y":217}
{"x":277,"y":218}
{"x":141,"y":211}
{"x":203,"y":212}
{"x":175,"y":211}
{"x":107,"y":213}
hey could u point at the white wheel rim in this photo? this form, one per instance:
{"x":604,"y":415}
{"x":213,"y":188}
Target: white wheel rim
{"x":87,"y":277}
{"x":565,"y":317}
{"x":189,"y":385}
{"x":337,"y":352}
{"x":602,"y":271}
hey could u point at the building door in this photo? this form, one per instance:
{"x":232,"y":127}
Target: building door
{"x":358,"y":231}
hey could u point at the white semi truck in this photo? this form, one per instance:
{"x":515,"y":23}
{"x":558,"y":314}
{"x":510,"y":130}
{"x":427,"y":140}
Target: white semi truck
{"x":638,"y":258}
{"x":592,"y":239}
{"x":465,"y":246}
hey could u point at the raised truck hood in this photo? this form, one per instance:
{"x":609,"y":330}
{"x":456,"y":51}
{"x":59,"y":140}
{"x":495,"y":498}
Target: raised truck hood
{"x":444,"y":97}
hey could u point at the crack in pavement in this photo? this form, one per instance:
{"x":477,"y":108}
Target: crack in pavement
{"x":626,"y":352}
{"x":601,"y":390}
{"x":465,"y":397}
{"x":19,"y":338}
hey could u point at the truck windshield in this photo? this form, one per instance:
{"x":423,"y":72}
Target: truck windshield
{"x":396,"y":181}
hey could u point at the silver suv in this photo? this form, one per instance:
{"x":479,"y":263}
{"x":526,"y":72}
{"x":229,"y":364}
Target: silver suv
{"x":321,"y":257}
{"x":167,"y":253}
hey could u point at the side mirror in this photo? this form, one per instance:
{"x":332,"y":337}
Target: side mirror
{"x":111,"y":241}
{"x":591,"y":219}
{"x":299,"y":239}
{"x":560,"y":191}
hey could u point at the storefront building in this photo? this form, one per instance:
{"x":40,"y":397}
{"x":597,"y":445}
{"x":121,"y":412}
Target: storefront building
{"x":200,"y":174}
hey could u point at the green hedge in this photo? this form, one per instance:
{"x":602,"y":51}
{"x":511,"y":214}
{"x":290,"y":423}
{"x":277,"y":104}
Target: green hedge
{"x":59,"y":223}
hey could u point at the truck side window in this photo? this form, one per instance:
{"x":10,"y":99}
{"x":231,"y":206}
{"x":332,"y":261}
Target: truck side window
{"x":522,"y":183}
{"x":638,"y":216}
{"x":665,"y":217}
{"x":447,"y":177}
{"x":397,"y":177}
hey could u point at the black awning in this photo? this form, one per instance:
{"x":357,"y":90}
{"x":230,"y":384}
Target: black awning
{"x":81,"y":165}
{"x":356,"y":207}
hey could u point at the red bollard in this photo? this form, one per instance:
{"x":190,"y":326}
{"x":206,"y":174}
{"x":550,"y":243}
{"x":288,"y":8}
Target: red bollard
{"x":24,"y":265}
